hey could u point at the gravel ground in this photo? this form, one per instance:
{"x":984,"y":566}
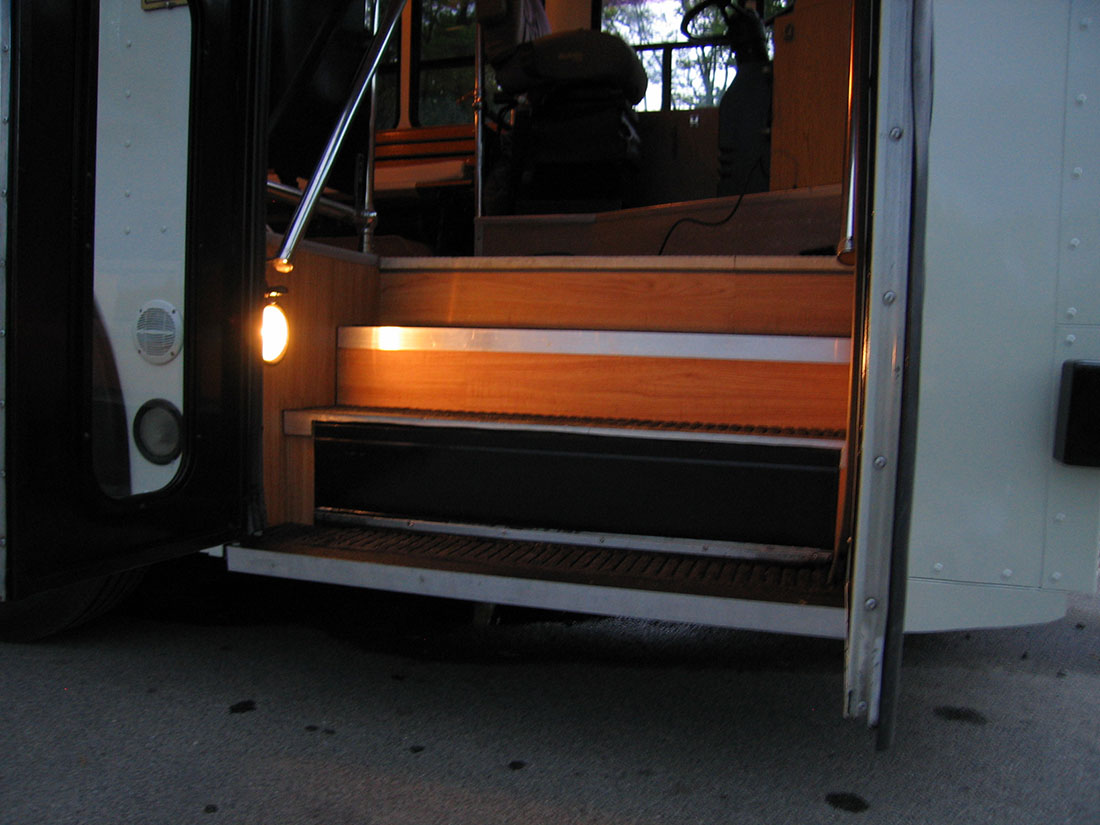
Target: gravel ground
{"x":277,"y":702}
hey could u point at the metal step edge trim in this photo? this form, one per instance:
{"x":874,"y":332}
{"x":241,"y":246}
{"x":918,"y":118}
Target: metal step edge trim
{"x":617,"y":541}
{"x":776,"y":617}
{"x":695,"y":345}
{"x":300,"y":423}
{"x":719,"y":264}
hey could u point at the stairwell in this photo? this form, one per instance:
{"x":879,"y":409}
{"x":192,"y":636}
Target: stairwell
{"x":692,"y":406}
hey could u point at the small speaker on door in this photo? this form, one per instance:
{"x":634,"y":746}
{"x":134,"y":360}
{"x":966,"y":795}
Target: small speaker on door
{"x":157,"y":333}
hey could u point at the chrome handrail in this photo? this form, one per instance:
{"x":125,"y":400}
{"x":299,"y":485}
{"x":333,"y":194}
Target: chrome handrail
{"x":325,"y":206}
{"x":846,"y":247}
{"x":367,"y":69}
{"x":479,"y":120}
{"x":369,"y":218}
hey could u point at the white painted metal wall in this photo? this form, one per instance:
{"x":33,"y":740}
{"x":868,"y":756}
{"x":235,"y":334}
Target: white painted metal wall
{"x":144,"y":100}
{"x":1000,"y":529}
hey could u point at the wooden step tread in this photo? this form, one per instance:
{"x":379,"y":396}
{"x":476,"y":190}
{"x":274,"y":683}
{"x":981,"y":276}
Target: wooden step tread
{"x":609,"y":567}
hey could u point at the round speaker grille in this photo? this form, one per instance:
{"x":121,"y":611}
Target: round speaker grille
{"x":157,"y":332}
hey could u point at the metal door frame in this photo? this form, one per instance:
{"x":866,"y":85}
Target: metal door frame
{"x":889,"y":366}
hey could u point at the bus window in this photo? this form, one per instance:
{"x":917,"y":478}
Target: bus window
{"x":386,"y":113}
{"x":445,"y":65}
{"x":315,"y":52}
{"x":681,"y":75}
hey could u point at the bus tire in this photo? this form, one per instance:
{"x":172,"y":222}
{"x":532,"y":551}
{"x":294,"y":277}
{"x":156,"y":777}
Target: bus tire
{"x":55,"y":611}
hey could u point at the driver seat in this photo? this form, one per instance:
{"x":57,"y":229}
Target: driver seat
{"x":574,"y":139}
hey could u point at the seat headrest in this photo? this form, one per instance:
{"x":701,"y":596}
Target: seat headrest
{"x":577,"y":58}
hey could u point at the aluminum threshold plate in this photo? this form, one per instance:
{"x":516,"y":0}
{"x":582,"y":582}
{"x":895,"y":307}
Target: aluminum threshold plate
{"x":720,"y":264}
{"x":550,"y":562}
{"x":787,"y":348}
{"x":769,"y":553}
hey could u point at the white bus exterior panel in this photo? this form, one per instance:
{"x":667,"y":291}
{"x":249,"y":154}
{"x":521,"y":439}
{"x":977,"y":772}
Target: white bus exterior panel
{"x":985,"y":475}
{"x":1073,"y":493}
{"x":1072,"y":529}
{"x":933,"y":606}
{"x":1079,"y":250}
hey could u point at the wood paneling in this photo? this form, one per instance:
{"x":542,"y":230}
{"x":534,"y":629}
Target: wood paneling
{"x":765,"y":223}
{"x":439,"y":148}
{"x":750,"y":393}
{"x":425,"y":134}
{"x":326,"y":289}
{"x":810,"y":112}
{"x":680,"y":156}
{"x":783,"y":303}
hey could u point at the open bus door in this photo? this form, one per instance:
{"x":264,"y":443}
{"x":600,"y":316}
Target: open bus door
{"x":133,"y":238}
{"x":889,"y":126}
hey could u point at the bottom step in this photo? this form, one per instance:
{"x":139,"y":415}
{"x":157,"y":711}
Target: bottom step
{"x":633,"y":584}
{"x":673,"y":573}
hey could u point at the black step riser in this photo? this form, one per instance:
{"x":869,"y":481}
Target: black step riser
{"x":764,"y":494}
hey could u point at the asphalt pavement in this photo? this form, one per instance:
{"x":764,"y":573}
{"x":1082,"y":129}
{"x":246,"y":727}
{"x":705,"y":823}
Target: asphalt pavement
{"x":223,"y":699}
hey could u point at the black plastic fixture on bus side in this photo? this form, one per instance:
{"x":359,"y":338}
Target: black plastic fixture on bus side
{"x":1077,"y":438}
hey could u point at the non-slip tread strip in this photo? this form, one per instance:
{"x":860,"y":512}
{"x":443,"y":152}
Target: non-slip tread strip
{"x":687,"y":427}
{"x":606,"y":567}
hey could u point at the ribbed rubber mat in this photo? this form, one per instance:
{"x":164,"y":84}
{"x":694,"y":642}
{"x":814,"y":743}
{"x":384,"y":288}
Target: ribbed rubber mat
{"x":606,"y":567}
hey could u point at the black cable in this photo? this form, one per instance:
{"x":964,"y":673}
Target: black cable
{"x":698,"y":222}
{"x":727,"y":219}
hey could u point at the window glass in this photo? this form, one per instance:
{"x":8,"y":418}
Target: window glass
{"x":698,"y":74}
{"x":387,"y":109}
{"x":446,"y":66}
{"x":387,"y":85}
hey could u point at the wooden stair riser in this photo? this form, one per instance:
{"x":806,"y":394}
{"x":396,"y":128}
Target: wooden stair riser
{"x":736,"y":492}
{"x":767,"y":303}
{"x":780,"y":394}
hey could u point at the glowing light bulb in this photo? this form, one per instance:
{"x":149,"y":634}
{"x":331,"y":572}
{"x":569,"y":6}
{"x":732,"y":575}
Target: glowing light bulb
{"x":275,"y":333}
